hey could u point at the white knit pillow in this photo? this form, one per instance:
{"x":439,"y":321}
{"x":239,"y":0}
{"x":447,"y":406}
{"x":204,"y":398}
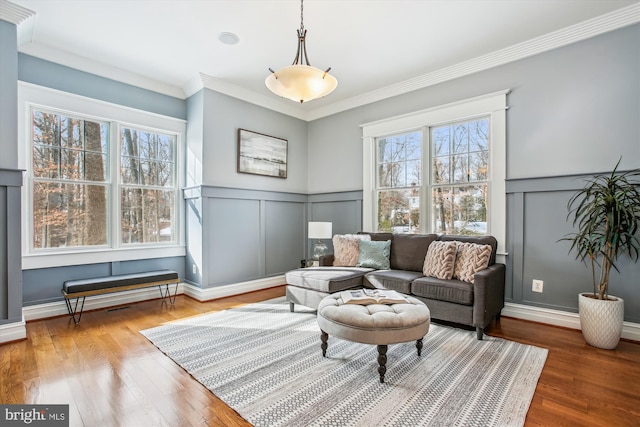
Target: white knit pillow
{"x":346,"y":249}
{"x":440,"y":260}
{"x":470,"y":259}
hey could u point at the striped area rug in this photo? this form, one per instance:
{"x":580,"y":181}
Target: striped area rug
{"x":266,"y":363}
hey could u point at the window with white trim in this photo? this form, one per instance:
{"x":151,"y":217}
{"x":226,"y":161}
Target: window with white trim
{"x":101,"y":183}
{"x":439,"y":170}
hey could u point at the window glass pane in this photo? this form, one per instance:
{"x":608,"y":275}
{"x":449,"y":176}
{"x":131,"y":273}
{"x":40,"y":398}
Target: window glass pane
{"x":441,"y":170}
{"x":460,"y":210}
{"x":165,"y":174}
{"x":45,"y":161}
{"x":479,"y":135}
{"x":95,"y":167}
{"x":71,"y":135}
{"x":69,"y":215}
{"x":147,"y":145}
{"x":72,"y":165}
{"x":45,"y":129}
{"x":460,"y":168}
{"x":460,"y":141}
{"x":478,"y":166}
{"x":148,"y":173}
{"x":165,"y":147}
{"x":399,"y":211}
{"x":129,"y":170}
{"x":440,"y":144}
{"x":147,"y":216}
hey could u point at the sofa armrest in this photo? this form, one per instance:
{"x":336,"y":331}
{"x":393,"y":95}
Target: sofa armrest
{"x":326,"y":260}
{"x":488,"y":294}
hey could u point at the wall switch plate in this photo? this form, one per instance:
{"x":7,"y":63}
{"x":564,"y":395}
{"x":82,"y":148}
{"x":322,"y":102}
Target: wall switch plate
{"x":537,"y":285}
{"x":195,"y":269}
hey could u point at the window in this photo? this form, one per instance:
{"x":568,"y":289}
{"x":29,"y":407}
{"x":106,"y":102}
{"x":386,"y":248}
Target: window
{"x":460,"y":177}
{"x":399,"y":171}
{"x":439,"y":170}
{"x":98,"y":188}
{"x":70,"y":182}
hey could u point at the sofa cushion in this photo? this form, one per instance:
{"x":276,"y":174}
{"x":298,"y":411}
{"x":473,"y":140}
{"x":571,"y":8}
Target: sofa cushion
{"x":346,"y":248}
{"x":440,"y":260}
{"x":470,"y":259}
{"x":480,"y":240}
{"x":327,"y":279}
{"x":397,"y":280}
{"x":374,"y":254}
{"x":407,"y":250}
{"x":451,"y":290}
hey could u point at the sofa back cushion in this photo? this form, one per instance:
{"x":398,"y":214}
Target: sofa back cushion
{"x":480,"y":240}
{"x":408,"y":251}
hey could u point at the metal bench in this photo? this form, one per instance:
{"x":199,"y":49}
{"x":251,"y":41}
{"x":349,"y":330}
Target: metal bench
{"x":75,"y":291}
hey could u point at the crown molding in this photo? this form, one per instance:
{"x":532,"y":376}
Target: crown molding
{"x":22,"y":17}
{"x":81,"y":63}
{"x":590,"y":28}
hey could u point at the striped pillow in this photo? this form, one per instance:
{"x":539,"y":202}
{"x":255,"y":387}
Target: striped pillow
{"x":470,"y":259}
{"x":440,"y":260}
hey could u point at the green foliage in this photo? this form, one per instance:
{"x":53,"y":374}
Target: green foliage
{"x":606,"y":213}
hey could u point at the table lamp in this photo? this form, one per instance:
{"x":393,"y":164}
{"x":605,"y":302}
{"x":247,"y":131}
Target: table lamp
{"x":319,"y":231}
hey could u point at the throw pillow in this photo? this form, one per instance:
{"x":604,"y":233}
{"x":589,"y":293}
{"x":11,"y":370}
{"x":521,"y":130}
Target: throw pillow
{"x":374,"y":254}
{"x":346,"y":249}
{"x":440,"y":260}
{"x":470,"y":259}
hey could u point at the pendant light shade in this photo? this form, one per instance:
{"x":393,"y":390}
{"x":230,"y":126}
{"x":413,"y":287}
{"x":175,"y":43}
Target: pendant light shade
{"x":300,"y":82}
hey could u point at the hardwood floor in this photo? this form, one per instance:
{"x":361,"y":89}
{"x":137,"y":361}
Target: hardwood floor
{"x":110,"y":375}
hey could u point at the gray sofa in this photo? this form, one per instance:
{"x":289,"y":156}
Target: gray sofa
{"x":473,"y":304}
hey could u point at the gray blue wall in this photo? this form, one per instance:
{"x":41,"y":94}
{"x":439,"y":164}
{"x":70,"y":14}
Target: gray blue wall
{"x":573,"y":110}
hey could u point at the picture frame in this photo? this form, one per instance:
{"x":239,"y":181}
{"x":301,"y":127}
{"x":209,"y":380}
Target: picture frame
{"x":260,"y":154}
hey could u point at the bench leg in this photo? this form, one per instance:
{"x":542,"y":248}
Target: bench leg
{"x":74,"y":310}
{"x":166,"y":292}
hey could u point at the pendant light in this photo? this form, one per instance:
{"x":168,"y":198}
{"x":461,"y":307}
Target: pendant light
{"x":299,"y":81}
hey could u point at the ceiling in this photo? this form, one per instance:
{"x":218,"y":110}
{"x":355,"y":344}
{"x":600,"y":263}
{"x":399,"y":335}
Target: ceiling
{"x":375,"y":48}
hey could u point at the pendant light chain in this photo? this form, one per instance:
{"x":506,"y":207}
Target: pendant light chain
{"x":302,"y":16}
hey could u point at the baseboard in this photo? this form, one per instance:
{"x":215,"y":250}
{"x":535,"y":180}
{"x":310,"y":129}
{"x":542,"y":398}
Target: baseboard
{"x":630,"y":331}
{"x":13,"y":331}
{"x":207,"y":294}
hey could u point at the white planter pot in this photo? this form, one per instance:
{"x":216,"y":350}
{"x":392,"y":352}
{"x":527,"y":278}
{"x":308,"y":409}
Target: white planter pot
{"x":601,"y":320}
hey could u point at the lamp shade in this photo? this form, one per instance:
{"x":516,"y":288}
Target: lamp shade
{"x":320,"y":230}
{"x":301,"y":83}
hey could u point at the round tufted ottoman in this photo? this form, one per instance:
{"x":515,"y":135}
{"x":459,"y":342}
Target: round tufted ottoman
{"x":377,"y":324}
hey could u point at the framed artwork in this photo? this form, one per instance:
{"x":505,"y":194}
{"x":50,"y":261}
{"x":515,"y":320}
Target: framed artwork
{"x":261,"y":154}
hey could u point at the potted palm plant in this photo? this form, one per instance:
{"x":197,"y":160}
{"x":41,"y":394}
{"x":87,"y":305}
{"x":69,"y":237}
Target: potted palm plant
{"x":606,"y":213}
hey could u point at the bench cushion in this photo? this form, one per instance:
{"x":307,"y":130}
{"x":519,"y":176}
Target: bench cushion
{"x":84,"y":285}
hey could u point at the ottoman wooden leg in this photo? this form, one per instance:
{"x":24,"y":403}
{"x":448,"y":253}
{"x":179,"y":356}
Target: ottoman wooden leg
{"x":419,"y":346}
{"x":324,"y":337}
{"x":382,"y":361}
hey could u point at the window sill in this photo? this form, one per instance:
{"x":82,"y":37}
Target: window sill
{"x":32,"y":262}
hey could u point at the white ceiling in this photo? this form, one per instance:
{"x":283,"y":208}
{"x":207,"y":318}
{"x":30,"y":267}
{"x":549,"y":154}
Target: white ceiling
{"x":172,"y":45}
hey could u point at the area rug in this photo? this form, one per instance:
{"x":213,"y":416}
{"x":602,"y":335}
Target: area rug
{"x":266,"y":363}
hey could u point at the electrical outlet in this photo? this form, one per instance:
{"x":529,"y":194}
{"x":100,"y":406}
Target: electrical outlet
{"x":195,"y":269}
{"x":537,"y":285}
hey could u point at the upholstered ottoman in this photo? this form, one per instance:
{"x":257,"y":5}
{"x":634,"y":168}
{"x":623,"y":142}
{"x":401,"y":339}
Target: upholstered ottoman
{"x":377,"y":324}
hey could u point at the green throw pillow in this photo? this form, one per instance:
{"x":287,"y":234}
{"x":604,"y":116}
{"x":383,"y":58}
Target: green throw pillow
{"x":374,"y":254}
